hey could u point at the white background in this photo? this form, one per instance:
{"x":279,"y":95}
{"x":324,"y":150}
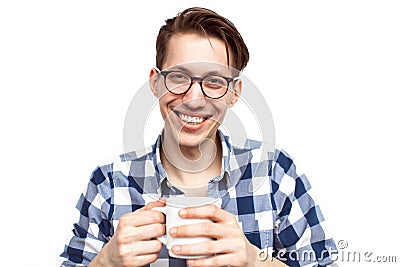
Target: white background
{"x":329,"y":71}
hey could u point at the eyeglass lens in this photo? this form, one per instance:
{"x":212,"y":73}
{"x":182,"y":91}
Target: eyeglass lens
{"x":213,"y":86}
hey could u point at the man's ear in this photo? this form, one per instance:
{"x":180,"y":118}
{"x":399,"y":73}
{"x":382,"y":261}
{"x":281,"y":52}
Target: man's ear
{"x":153,"y":81}
{"x":237,"y":90}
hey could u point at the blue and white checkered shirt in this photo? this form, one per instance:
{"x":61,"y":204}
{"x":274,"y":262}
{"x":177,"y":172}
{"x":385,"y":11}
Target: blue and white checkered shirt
{"x":270,"y":200}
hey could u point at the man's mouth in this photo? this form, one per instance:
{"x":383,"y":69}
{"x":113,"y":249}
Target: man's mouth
{"x":193,"y":120}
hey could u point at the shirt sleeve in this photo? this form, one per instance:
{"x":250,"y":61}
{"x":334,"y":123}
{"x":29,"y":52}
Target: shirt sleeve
{"x":300,"y":237}
{"x":93,"y":228}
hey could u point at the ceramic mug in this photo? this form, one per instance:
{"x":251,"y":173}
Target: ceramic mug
{"x":172,"y":219}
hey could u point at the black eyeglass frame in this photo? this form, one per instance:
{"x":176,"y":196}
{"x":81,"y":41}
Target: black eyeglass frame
{"x":164,"y":73}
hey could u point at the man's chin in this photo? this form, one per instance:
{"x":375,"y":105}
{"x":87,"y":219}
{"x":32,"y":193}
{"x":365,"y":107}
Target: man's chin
{"x":190,"y":143}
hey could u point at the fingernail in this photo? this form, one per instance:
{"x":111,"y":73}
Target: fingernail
{"x":173,"y":231}
{"x":176,"y":248}
{"x":182,"y":212}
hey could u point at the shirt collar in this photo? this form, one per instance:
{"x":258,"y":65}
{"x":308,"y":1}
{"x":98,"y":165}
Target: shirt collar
{"x":232,"y":157}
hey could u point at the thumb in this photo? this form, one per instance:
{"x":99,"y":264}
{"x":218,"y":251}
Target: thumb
{"x":158,"y":203}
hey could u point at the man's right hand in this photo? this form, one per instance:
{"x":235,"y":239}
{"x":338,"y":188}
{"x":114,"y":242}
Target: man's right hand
{"x":134,"y":242}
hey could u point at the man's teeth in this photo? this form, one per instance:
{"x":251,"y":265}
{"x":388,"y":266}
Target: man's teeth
{"x":191,"y":119}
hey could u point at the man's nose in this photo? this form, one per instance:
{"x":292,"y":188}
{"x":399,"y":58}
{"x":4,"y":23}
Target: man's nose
{"x":194,"y":98}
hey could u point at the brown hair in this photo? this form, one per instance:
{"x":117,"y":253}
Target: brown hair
{"x":204,"y":22}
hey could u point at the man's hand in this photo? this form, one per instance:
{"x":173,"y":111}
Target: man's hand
{"x":134,"y":243}
{"x":229,"y":242}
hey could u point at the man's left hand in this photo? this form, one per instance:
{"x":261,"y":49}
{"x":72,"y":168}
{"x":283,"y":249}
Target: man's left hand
{"x":229,"y":246}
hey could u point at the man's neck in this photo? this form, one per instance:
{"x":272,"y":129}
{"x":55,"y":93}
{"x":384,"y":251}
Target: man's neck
{"x":192,"y":167}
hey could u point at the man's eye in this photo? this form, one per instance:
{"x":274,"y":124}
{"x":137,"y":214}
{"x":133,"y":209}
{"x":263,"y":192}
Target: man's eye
{"x":215,"y":81}
{"x":178,"y":76}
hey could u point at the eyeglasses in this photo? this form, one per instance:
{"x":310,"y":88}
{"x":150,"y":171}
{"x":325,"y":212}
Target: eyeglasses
{"x":213,"y":86}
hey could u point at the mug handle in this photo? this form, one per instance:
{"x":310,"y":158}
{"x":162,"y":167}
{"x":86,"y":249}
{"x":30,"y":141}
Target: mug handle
{"x":162,"y":239}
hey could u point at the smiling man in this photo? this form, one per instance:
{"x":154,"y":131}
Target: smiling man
{"x":196,"y":80}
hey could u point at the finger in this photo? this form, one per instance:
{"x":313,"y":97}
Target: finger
{"x":140,"y":260}
{"x":210,"y":247}
{"x":208,"y":211}
{"x":209,"y":229}
{"x":140,"y":218}
{"x":219,"y":260}
{"x":145,"y":232}
{"x":146,"y":247}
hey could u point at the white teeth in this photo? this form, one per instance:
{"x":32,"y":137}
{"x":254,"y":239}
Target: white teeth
{"x":191,"y":119}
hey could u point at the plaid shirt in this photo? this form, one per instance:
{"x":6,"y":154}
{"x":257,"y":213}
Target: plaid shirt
{"x":270,"y":200}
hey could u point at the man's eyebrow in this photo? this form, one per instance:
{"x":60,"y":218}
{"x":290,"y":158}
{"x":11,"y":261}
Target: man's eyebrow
{"x":219,"y":73}
{"x":208,"y":73}
{"x":179,"y":68}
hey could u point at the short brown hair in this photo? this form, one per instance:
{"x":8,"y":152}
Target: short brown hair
{"x":204,"y":22}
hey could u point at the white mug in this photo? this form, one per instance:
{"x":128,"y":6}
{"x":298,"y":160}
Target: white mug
{"x":173,"y":205}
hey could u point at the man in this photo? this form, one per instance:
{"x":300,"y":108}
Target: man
{"x":199,"y":57}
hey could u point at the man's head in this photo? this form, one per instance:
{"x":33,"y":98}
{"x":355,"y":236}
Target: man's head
{"x":206,"y":23}
{"x":198,"y":46}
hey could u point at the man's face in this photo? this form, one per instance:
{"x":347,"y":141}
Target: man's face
{"x":192,"y":117}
